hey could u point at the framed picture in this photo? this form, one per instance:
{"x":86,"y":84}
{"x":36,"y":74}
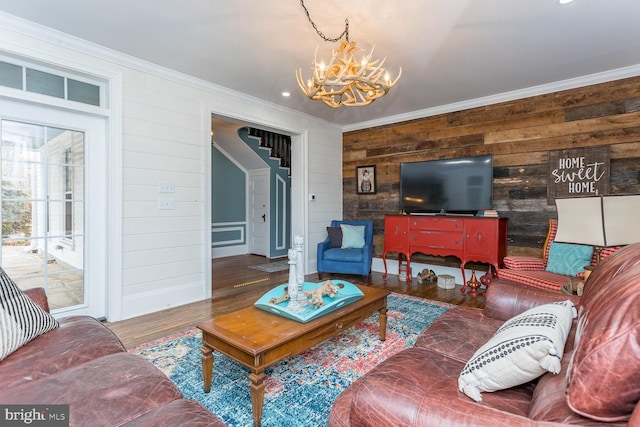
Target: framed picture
{"x":366,"y":179}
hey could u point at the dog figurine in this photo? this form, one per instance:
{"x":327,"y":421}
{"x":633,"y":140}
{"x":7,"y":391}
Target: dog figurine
{"x":427,"y":276}
{"x":327,"y":288}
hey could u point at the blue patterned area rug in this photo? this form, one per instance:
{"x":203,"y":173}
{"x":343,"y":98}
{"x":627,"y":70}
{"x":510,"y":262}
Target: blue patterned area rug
{"x":299,"y":391}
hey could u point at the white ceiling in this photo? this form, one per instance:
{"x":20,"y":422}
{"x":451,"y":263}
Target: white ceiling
{"x":450,"y":51}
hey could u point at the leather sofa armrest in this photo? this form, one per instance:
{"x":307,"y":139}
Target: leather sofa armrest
{"x":457,"y":411}
{"x":39,"y":296}
{"x":634,"y":421}
{"x":505,"y":300}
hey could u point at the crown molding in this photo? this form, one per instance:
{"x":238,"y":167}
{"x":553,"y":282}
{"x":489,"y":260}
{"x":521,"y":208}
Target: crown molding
{"x":605,"y":76}
{"x":58,"y":38}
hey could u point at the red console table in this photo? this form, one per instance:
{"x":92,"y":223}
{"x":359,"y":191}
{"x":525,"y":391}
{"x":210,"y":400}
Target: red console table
{"x":478,"y":239}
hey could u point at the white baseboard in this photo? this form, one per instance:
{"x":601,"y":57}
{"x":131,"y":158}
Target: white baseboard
{"x":229,"y":251}
{"x":392,"y":268}
{"x":152,"y":301}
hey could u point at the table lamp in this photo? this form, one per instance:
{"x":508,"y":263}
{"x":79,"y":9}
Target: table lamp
{"x":599,"y":221}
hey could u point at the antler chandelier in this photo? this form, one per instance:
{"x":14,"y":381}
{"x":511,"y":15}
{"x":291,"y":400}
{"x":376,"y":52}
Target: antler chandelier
{"x":346,"y":80}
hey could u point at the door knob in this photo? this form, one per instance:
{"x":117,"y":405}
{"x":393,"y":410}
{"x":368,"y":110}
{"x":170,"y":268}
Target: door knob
{"x":264,"y":217}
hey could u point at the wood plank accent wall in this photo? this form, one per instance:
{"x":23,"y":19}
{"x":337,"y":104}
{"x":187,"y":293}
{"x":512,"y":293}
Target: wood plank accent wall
{"x":519,"y":134}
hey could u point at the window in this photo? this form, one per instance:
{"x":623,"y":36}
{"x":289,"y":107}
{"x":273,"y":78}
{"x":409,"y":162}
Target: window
{"x":54,"y":169}
{"x":68,"y":194}
{"x":42,"y":193}
{"x":50,"y":83}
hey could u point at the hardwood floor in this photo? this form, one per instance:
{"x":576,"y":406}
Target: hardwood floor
{"x":237,"y":286}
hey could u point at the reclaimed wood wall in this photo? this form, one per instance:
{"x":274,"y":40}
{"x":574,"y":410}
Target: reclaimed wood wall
{"x":520,"y":135}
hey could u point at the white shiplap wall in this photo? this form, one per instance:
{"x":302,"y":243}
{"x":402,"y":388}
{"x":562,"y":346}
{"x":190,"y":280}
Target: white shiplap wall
{"x":325,"y":175}
{"x":159,"y":132}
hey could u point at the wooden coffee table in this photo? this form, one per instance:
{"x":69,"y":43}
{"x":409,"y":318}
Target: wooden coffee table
{"x":258,"y":339}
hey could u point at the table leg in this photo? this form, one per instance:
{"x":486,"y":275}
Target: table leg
{"x":383,"y":323}
{"x":464,"y":279}
{"x":207,"y":367}
{"x":257,"y":396}
{"x":384,"y":262}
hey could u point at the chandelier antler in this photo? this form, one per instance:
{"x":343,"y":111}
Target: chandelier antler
{"x":346,"y":80}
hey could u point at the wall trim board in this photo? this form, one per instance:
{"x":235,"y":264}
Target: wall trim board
{"x":392,"y":268}
{"x":49,"y":35}
{"x":229,"y":251}
{"x":281,"y":214}
{"x":160,"y":299}
{"x":606,"y":76}
{"x":219,"y":228}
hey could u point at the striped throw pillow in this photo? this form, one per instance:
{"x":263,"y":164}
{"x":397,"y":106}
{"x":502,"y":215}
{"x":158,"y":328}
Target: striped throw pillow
{"x":21,"y":319}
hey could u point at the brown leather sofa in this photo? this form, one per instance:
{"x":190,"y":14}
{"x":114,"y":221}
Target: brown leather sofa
{"x":83,"y":364}
{"x":599,"y":383}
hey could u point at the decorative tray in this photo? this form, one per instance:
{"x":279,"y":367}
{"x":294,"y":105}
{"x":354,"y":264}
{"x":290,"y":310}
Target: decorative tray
{"x":347,"y":293}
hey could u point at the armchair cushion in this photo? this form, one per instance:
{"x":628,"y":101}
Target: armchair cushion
{"x":525,"y":263}
{"x":22,"y":319}
{"x":344,"y":255}
{"x":543,"y":280}
{"x":335,"y":237}
{"x":568,"y":259}
{"x":525,"y":347}
{"x":352,"y":236}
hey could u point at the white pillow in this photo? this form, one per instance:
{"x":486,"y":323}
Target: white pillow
{"x":21,"y":319}
{"x":352,"y":236}
{"x":525,"y":347}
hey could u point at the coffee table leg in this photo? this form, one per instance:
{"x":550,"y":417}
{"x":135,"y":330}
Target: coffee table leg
{"x":383,"y":323}
{"x":257,"y":396}
{"x":207,"y":367}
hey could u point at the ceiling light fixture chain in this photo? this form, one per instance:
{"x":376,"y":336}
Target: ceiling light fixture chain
{"x":345,"y":81}
{"x":344,"y":34}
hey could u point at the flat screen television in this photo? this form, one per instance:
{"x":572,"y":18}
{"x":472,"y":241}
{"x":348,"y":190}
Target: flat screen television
{"x":448,"y":186}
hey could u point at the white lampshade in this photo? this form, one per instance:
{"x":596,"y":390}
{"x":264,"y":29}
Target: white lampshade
{"x":599,"y":220}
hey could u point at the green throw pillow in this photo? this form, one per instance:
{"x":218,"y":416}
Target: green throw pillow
{"x":568,"y":259}
{"x":352,"y":236}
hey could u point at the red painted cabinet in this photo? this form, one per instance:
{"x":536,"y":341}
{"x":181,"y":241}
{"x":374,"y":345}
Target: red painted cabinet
{"x":486,"y":240}
{"x":436,"y":235}
{"x":396,"y":234}
{"x":396,"y":239}
{"x":468,"y":238}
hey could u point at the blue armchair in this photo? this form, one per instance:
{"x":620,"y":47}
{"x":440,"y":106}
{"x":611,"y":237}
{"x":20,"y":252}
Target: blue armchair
{"x":347,"y":261}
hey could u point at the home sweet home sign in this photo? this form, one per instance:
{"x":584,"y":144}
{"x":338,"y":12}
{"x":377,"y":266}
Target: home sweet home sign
{"x":578,"y":172}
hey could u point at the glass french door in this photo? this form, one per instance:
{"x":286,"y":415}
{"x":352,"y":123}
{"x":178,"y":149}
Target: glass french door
{"x":48,"y":180}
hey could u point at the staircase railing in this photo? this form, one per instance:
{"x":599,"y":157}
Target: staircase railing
{"x":279,"y":145}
